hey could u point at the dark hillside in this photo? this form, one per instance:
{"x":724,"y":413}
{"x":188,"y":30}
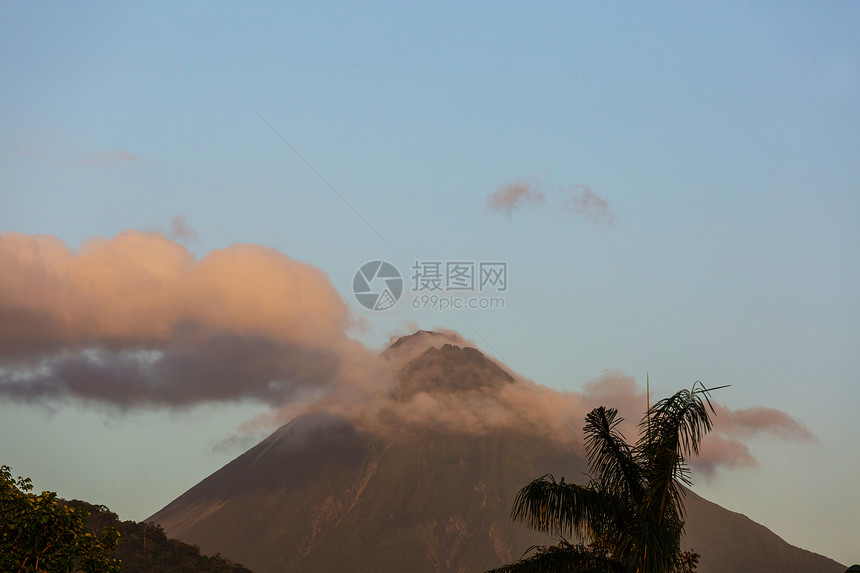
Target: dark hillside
{"x":144,"y":547}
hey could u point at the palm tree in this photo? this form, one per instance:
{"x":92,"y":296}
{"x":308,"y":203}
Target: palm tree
{"x":631,"y":512}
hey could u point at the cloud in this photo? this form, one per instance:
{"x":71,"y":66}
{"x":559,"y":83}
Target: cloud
{"x":106,"y":158}
{"x":586,"y":203}
{"x":137,"y":321}
{"x":180,"y":230}
{"x":752,"y":421}
{"x":29,"y":149}
{"x":580,"y":199}
{"x":719,"y":451}
{"x":528,"y":406}
{"x":720,"y":448}
{"x":511,"y":197}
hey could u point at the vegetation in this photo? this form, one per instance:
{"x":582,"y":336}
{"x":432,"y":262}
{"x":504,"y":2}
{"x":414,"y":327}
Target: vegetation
{"x":144,"y":547}
{"x":42,"y":533}
{"x":38,"y":533}
{"x":630,"y":515}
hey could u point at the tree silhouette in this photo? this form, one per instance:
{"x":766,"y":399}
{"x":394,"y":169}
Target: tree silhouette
{"x":630,"y":515}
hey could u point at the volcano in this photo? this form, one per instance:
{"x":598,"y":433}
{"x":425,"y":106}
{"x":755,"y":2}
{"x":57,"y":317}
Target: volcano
{"x":322,"y":493}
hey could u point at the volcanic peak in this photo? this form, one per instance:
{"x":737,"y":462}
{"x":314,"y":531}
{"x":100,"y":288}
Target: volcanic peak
{"x":449,"y":369}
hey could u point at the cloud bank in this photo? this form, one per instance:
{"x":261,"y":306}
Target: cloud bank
{"x":137,"y":321}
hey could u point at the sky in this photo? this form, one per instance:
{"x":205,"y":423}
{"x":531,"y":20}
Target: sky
{"x":187,"y":194}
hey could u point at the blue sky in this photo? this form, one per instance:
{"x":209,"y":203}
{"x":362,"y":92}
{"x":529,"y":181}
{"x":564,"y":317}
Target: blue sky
{"x":723,"y":140}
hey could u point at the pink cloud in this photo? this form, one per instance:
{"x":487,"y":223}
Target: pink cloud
{"x":580,"y":199}
{"x":511,"y":197}
{"x":105,"y":158}
{"x":719,"y":451}
{"x":586,"y":203}
{"x":138,"y":320}
{"x":752,"y":421}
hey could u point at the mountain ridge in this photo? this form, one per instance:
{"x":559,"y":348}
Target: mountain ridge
{"x":321,"y":493}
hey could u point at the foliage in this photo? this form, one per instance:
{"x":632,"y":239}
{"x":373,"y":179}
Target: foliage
{"x":39,"y":534}
{"x":631,"y":512}
{"x":42,"y":533}
{"x":144,"y":547}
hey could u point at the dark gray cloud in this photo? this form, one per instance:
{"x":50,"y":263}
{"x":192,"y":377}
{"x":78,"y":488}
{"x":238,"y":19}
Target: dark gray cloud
{"x":220,"y":368}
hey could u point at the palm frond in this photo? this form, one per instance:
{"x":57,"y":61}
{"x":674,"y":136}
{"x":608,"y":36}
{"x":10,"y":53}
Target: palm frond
{"x":566,"y":509}
{"x":610,"y":456}
{"x":681,"y":420}
{"x":673,"y":429}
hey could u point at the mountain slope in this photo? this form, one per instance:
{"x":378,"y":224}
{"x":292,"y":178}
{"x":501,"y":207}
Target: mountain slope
{"x":320,"y":494}
{"x":729,"y":541}
{"x":438,"y":502}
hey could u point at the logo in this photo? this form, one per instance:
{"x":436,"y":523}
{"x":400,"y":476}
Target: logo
{"x":377,"y":285}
